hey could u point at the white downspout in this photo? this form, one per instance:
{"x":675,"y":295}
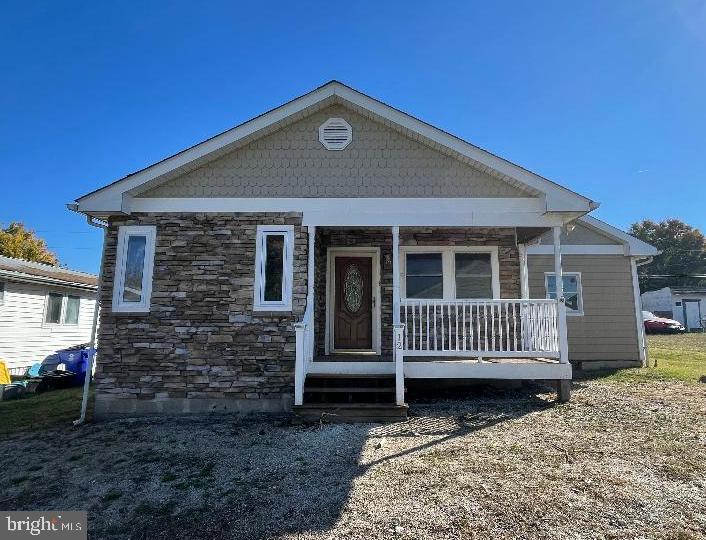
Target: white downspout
{"x":94,"y":328}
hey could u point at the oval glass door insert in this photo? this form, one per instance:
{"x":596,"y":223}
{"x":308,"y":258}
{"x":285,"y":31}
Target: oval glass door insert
{"x":353,"y":288}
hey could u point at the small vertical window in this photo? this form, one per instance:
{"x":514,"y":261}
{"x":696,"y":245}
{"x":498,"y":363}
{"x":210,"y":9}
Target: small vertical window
{"x":2,"y":293}
{"x":424,"y":275}
{"x":274,"y":268}
{"x":133,"y":268}
{"x":71,"y":312}
{"x":474,"y":275}
{"x":53,"y":313}
{"x":573,"y":294}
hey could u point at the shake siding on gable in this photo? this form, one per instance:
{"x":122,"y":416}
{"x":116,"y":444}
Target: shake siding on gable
{"x":379,"y":162}
{"x":608,"y":330}
{"x":24,"y":337}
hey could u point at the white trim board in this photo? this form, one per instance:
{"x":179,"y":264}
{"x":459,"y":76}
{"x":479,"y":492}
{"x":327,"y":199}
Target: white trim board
{"x":387,"y":212}
{"x":110,"y":197}
{"x":577,"y":250}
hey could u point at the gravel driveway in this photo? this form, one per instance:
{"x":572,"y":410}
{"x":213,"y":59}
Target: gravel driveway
{"x":618,"y":461}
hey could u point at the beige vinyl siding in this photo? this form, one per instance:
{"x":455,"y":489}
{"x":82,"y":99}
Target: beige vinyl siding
{"x":608,"y":329}
{"x":24,"y":337}
{"x":582,"y":235}
{"x":379,"y":162}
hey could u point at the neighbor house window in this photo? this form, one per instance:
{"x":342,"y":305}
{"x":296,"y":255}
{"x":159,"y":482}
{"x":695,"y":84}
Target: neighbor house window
{"x":425,"y":275}
{"x":133,"y":268}
{"x":274,"y":267}
{"x":573,"y":295}
{"x":450,"y":273}
{"x":62,"y":309}
{"x":2,"y":293}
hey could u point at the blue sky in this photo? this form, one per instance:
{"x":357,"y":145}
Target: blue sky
{"x":605,"y":97}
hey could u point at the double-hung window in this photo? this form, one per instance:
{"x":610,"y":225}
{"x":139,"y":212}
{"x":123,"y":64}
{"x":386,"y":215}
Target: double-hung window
{"x":133,"y":268}
{"x":450,"y":273}
{"x":573,"y":295}
{"x":61,"y":309}
{"x":274,"y":268}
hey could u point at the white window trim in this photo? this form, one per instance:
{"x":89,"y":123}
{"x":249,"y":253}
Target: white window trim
{"x":124,"y":233}
{"x":579,"y":289}
{"x":62,"y":314}
{"x":263,"y":231}
{"x":448,"y":266}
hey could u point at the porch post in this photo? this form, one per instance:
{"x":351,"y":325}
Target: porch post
{"x":310,"y":283}
{"x":397,"y":328}
{"x":561,"y":314}
{"x":299,"y":369}
{"x":524,"y":273}
{"x":395,"y":275}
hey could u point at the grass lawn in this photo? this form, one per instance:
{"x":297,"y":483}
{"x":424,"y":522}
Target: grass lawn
{"x":41,"y":411}
{"x":679,"y":357}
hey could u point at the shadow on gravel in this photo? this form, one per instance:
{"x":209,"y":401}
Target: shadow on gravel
{"x":221,"y":477}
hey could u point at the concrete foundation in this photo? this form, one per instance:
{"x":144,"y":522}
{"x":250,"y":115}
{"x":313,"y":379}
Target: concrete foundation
{"x":107,"y":407}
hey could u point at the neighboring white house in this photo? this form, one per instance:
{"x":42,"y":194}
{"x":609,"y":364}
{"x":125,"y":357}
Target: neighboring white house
{"x":43,"y":309}
{"x":684,"y":304}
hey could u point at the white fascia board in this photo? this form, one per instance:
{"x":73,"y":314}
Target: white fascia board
{"x":109,"y":198}
{"x":633,"y":246}
{"x":500,"y":212}
{"x":571,"y":249}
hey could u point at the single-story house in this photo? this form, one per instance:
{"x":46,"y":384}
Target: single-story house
{"x":43,"y":309}
{"x":334,"y":238}
{"x":684,"y":304}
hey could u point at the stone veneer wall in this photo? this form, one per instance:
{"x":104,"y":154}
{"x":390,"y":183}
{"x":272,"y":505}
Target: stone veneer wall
{"x":504,"y":238}
{"x":201,"y":347}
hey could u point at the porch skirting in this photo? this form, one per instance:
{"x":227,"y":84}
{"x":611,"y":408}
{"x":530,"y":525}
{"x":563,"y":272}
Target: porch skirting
{"x":107,"y":407}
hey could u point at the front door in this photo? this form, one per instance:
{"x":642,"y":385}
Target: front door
{"x":353,"y":307}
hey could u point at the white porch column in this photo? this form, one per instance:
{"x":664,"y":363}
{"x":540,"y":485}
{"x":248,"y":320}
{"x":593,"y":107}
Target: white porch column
{"x":310,"y":283}
{"x":395,"y":275}
{"x":524,"y":272}
{"x":397,"y":328}
{"x":559,"y":276}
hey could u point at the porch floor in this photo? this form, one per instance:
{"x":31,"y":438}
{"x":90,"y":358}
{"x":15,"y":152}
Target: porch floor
{"x":388,"y":358}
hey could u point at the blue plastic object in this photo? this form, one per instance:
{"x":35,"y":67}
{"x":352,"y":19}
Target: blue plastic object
{"x":75,"y":360}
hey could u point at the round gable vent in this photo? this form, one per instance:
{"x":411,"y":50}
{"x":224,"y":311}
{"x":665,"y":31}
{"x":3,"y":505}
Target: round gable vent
{"x":335,"y":134}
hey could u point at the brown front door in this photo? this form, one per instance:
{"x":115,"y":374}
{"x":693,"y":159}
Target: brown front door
{"x":353,"y":307}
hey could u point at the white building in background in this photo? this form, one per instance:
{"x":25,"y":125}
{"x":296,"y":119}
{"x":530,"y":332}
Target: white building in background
{"x":684,"y":304}
{"x":43,"y":309}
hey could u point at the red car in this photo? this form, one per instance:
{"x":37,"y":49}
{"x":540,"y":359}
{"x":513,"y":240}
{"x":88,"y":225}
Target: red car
{"x":660,"y":325}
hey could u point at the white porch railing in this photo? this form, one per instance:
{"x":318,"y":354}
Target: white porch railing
{"x":482,"y":328}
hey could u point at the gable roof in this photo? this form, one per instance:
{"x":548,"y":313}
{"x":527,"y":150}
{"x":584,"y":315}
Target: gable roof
{"x":110,"y":197}
{"x":33,"y":272}
{"x":633,"y":246}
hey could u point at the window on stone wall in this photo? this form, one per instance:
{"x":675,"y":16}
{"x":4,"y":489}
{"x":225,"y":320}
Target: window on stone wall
{"x":274,"y":268}
{"x":450,"y":272}
{"x":133,"y":268}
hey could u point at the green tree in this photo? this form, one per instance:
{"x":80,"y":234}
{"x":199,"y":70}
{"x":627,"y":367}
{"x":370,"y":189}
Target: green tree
{"x":19,"y":242}
{"x":683,"y":254}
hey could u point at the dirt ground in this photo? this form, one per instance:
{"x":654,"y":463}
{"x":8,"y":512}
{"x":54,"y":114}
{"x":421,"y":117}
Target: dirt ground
{"x":620,"y":460}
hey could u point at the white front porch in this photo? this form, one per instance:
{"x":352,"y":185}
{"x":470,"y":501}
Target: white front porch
{"x":496,"y":338}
